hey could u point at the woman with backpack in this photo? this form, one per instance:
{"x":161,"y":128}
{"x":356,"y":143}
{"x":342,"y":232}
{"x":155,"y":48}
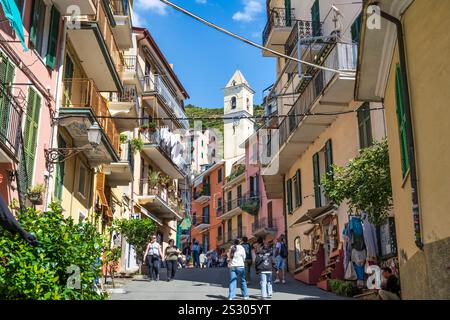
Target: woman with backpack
{"x":237,"y":269}
{"x":154,"y":255}
{"x":281,"y":253}
{"x":263,"y":266}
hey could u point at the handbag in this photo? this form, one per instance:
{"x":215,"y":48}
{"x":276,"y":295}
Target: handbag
{"x":350,"y":273}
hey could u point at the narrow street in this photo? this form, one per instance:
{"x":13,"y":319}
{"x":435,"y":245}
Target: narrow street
{"x":212,"y":284}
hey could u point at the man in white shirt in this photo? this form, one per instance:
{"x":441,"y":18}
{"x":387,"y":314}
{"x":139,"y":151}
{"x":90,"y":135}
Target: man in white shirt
{"x":236,"y":264}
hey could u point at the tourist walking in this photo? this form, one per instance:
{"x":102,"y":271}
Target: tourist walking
{"x":263,"y":267}
{"x":237,"y":269}
{"x":171,"y":256}
{"x":154,"y":257}
{"x":196,"y":254}
{"x":187,"y":254}
{"x":202,"y":260}
{"x":248,"y":258}
{"x":281,"y":254}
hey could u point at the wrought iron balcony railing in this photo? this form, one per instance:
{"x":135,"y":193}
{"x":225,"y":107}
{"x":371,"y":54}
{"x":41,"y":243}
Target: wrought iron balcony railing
{"x":248,"y":203}
{"x":204,"y":192}
{"x":304,"y":29}
{"x":278,"y":18}
{"x":156,"y":84}
{"x":11,"y":115}
{"x":170,"y":198}
{"x":264,"y":223}
{"x":83,"y":93}
{"x":201,"y":220}
{"x":119,"y":7}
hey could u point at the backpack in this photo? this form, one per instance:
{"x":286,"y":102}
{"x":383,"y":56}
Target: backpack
{"x":283,"y":251}
{"x":248,"y":252}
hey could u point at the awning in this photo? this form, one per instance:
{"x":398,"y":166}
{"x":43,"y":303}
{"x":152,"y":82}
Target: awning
{"x":149,"y":215}
{"x":12,"y":13}
{"x":313,"y":215}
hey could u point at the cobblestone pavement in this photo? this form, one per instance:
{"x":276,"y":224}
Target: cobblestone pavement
{"x":212,"y":284}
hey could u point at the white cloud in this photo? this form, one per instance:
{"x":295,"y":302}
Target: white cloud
{"x":138,"y":21}
{"x":251,"y":9}
{"x":201,"y":1}
{"x":151,"y":5}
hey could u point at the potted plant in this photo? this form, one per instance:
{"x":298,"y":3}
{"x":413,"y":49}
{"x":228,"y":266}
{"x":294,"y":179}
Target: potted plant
{"x":136,"y":145}
{"x":152,"y":127}
{"x":14,"y":205}
{"x":35,"y":194}
{"x":164,"y":180}
{"x":153,"y":179}
{"x":123,"y":138}
{"x":143,"y":128}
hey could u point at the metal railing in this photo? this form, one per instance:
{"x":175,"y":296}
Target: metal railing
{"x":127,"y":154}
{"x":264,"y":223}
{"x":169,"y":198}
{"x":278,"y":18}
{"x":156,"y":84}
{"x":119,"y":7}
{"x":204,"y":192}
{"x":341,"y":57}
{"x":202,"y":220}
{"x":305,"y":29}
{"x":248,"y":203}
{"x":131,"y":64}
{"x":83,"y":93}
{"x":11,"y":115}
{"x":155,"y":138}
{"x":129,"y":94}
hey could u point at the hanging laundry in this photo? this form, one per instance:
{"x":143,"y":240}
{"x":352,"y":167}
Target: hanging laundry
{"x":370,"y":236}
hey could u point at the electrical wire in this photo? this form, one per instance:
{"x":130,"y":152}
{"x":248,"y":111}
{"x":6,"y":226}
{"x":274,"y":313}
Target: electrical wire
{"x":214,"y":26}
{"x":307,"y":114}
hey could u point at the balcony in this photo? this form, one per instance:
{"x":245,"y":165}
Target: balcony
{"x":123,"y":29}
{"x":236,"y":172}
{"x":125,"y":106}
{"x":278,"y":29}
{"x":305,"y":29}
{"x":11,"y":115}
{"x":132,"y":72}
{"x":82,"y":105}
{"x":245,"y":204}
{"x":156,"y":87}
{"x":159,"y":201}
{"x":263,"y":227}
{"x":325,"y":92}
{"x":86,"y":7}
{"x":202,"y":223}
{"x":202,"y":196}
{"x":95,"y":45}
{"x":271,"y":113}
{"x":158,"y":146}
{"x":121,"y":173}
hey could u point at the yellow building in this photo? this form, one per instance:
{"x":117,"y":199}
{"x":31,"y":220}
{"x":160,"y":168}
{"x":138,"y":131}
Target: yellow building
{"x":404,"y":63}
{"x":301,"y":147}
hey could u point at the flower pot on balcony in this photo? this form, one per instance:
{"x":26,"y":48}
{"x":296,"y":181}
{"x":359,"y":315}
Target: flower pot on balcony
{"x":35,"y":197}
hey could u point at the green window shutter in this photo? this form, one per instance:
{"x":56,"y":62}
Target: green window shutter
{"x":59,"y":177}
{"x":298,"y":189}
{"x":316,"y":171}
{"x":364,"y":126}
{"x":401,"y":117}
{"x":289,"y":195}
{"x":7,"y":70}
{"x":31,"y":131}
{"x":34,"y":22}
{"x":315,"y":18}
{"x":287,"y":6}
{"x":356,"y":29}
{"x":53,"y":38}
{"x":328,"y":158}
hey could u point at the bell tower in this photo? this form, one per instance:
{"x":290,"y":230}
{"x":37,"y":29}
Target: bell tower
{"x":238,"y":102}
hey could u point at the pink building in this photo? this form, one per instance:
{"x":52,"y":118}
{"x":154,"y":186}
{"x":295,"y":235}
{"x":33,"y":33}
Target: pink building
{"x":28,"y":91}
{"x":269,"y":221}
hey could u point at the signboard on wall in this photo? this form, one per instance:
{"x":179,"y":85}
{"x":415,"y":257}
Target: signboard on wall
{"x":387,"y":239}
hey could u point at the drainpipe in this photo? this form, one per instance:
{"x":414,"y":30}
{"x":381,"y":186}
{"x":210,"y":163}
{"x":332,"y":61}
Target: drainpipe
{"x":409,"y":129}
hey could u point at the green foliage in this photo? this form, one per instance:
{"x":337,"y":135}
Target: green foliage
{"x":136,"y":145}
{"x":40,"y":273}
{"x":123,"y":138}
{"x":153,"y":178}
{"x":137,"y":232}
{"x":365,"y":182}
{"x":240,"y":169}
{"x":342,"y":288}
{"x":198,"y":112}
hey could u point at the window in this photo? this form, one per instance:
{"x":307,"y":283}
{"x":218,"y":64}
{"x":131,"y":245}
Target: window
{"x":202,"y":155}
{"x":239,"y":224}
{"x":50,"y":58}
{"x":289,"y":196}
{"x":298,"y":252}
{"x":31,"y":131}
{"x":248,"y":104}
{"x":82,"y":180}
{"x":219,"y":176}
{"x":202,"y":143}
{"x":328,"y":158}
{"x":298,"y":189}
{"x":315,"y":18}
{"x":205,"y":215}
{"x":401,"y":117}
{"x":254,"y":188}
{"x":219,"y":233}
{"x":233,"y":102}
{"x":219,"y":204}
{"x":239,"y":195}
{"x":229,"y":201}
{"x":269,"y":215}
{"x":230,"y":230}
{"x":364,"y":126}
{"x":194,"y":218}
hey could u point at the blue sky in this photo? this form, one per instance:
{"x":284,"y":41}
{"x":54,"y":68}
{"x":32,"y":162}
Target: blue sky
{"x":203,"y":58}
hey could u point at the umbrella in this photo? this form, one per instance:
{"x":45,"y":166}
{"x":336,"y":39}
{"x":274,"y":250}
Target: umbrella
{"x":12,"y":13}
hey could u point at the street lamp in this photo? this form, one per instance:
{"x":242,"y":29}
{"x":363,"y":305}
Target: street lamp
{"x":60,"y":155}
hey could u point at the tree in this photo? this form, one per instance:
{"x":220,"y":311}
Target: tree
{"x":137,"y":232}
{"x":365,"y":182}
{"x":49,"y":271}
